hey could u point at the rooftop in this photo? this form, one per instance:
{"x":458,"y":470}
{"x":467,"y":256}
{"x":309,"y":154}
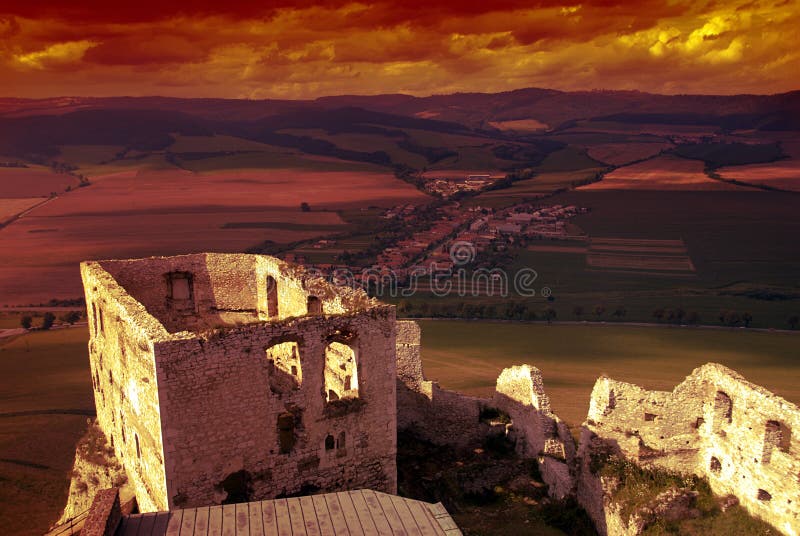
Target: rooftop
{"x":359,"y":512}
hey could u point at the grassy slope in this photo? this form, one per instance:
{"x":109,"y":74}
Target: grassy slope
{"x":41,"y":371}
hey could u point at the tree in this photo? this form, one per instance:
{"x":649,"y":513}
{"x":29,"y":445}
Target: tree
{"x":26,"y":322}
{"x":71,"y":317}
{"x":305,"y":207}
{"x":47,"y":321}
{"x":404,"y":307}
{"x":620,"y":312}
{"x":577,"y":311}
{"x":793,"y":321}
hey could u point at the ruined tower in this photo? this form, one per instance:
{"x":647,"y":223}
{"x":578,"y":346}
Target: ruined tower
{"x":224,"y":377}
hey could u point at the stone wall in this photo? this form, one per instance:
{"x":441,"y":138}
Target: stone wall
{"x":105,"y":514}
{"x":715,"y":424}
{"x":540,"y":433}
{"x":449,"y":418}
{"x":210,"y":379}
{"x":123,"y":368}
{"x":432,"y":413}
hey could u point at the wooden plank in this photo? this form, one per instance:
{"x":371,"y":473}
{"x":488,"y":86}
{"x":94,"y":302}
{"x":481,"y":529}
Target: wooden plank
{"x":364,"y":514}
{"x":282,"y":515}
{"x":187,"y":523}
{"x":405,"y":516}
{"x":323,"y":515}
{"x":296,"y":516}
{"x":160,"y":526}
{"x":310,"y":516}
{"x":146,"y":523}
{"x":337,"y":515}
{"x":268,"y":517}
{"x":215,"y":521}
{"x":438,"y":509}
{"x":122,"y":530}
{"x":350,"y":515}
{"x":174,"y":523}
{"x":442,"y":517}
{"x":425,"y":521}
{"x":242,"y":519}
{"x":133,"y":525}
{"x":256,"y":522}
{"x":201,"y":522}
{"x":391,"y":513}
{"x":377,"y":513}
{"x":228,"y":520}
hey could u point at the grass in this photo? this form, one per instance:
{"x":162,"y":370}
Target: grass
{"x":366,"y":142}
{"x":640,"y":486}
{"x":43,"y":373}
{"x":467,"y":356}
{"x":570,"y":158}
{"x":274,"y":160}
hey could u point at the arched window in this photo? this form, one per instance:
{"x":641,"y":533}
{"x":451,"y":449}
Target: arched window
{"x":329,"y":442}
{"x":314,"y":305}
{"x":180,"y":290}
{"x":776,"y":435}
{"x":285,"y":369}
{"x":272,"y":297}
{"x":286,"y":438}
{"x":341,"y":371}
{"x":723,"y":411}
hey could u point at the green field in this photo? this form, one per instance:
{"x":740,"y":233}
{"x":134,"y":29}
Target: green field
{"x":467,"y":356}
{"x":46,"y":396}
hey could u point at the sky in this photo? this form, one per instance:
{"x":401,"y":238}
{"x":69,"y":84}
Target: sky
{"x":298,"y":50}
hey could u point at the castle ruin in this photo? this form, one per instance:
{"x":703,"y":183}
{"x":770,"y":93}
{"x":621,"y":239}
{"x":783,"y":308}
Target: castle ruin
{"x":225,"y":378}
{"x":228,"y":377}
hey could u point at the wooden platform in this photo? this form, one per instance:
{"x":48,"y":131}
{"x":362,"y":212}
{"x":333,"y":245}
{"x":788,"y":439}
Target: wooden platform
{"x":360,"y":512}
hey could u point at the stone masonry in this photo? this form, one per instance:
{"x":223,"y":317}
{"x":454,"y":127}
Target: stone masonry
{"x":448,"y":418}
{"x":715,"y":424}
{"x":233,"y":377}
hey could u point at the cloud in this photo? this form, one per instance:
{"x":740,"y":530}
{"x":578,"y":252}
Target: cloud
{"x":55,"y":55}
{"x":283,"y":49}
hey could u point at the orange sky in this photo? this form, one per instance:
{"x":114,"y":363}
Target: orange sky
{"x":280,"y":49}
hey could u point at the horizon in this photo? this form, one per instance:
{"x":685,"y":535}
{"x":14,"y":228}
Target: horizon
{"x":302,"y":51}
{"x":413,"y":96}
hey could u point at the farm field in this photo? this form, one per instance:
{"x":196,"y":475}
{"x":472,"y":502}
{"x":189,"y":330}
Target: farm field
{"x":783,"y":174}
{"x":171,"y":212}
{"x":10,"y":207}
{"x":520,"y":125}
{"x":33,"y":181}
{"x":655,"y":129}
{"x":646,"y":255}
{"x":665,"y":172}
{"x":531,"y":189}
{"x":467,"y":356}
{"x":620,"y":154}
{"x":44,"y":405}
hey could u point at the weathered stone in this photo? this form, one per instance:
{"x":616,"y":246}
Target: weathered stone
{"x":715,"y":424}
{"x":197,"y":360}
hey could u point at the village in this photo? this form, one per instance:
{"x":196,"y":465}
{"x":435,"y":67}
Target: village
{"x":458,"y":237}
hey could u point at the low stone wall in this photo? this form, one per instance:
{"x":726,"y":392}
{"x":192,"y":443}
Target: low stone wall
{"x":104,"y":515}
{"x":449,"y":418}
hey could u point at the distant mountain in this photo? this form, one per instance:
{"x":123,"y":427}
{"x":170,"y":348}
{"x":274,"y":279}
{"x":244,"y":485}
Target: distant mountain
{"x":474,"y":110}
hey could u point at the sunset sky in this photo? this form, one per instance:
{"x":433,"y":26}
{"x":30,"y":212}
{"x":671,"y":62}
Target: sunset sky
{"x":268,"y":49}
